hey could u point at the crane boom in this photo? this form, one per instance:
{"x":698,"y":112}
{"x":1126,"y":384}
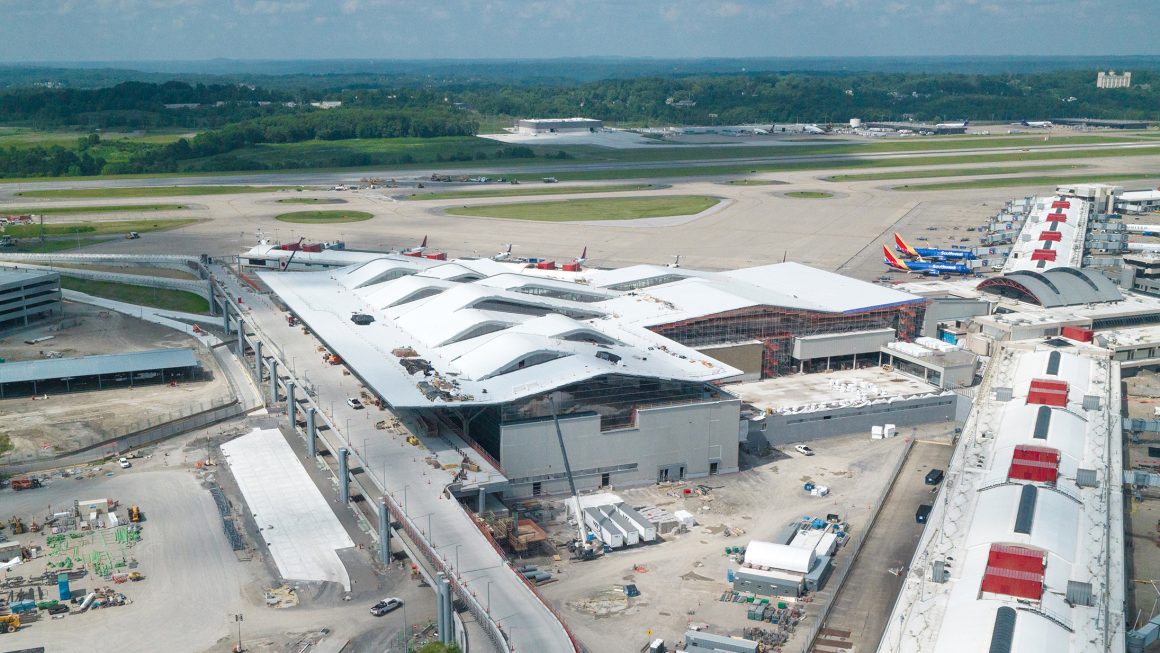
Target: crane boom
{"x":568,"y":470}
{"x":286,"y":267}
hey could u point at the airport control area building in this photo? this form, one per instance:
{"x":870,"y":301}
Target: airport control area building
{"x":631,"y":360}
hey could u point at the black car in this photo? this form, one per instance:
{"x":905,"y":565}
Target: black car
{"x":386,"y":605}
{"x":923,"y":513}
{"x":934,"y":477}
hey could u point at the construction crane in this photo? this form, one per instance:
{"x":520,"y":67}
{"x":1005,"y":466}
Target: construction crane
{"x":581,"y":549}
{"x":286,"y":267}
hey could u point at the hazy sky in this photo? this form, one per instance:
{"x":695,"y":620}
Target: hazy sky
{"x":126,"y":30}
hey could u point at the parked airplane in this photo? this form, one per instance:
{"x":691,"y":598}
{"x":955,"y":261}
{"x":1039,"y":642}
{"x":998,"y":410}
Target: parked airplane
{"x":930,"y":269}
{"x":676,"y":262}
{"x":417,"y":250}
{"x":1039,"y":124}
{"x":583,"y":258}
{"x":932,"y":252}
{"x":953,"y":125}
{"x":504,"y":255}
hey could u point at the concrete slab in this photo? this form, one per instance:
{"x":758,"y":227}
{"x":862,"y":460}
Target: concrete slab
{"x":300,"y":529}
{"x":821,"y":388}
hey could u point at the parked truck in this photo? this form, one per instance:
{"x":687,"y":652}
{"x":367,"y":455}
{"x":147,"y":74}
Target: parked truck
{"x":19,"y":484}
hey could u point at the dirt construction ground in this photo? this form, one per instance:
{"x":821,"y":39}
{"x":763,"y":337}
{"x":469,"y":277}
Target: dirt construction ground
{"x":682,"y":578}
{"x":194,"y":582}
{"x":68,"y":421}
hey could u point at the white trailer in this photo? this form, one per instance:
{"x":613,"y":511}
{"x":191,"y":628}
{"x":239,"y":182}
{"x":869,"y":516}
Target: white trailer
{"x":648,"y":531}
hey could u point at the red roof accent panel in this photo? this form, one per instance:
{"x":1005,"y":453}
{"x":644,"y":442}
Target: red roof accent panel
{"x":1044,"y":255}
{"x":1031,"y":452}
{"x":1059,"y":204}
{"x":1016,"y":558}
{"x":1036,"y":472}
{"x":1048,"y":393}
{"x":1057,"y":217}
{"x":1053,"y":236}
{"x":1022,"y":584}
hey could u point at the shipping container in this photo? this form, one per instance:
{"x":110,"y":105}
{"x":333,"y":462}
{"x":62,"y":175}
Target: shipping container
{"x":1077,"y":333}
{"x":546,"y":265}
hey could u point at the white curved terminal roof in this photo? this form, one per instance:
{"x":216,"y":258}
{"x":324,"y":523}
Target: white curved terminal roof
{"x":1072,"y":532}
{"x":491,"y":332}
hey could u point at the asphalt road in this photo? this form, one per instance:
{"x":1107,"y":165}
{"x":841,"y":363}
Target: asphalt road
{"x":337,"y":177}
{"x":865,"y":600}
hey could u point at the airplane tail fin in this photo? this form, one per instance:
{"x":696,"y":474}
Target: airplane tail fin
{"x":424,"y":243}
{"x":891,"y":260}
{"x":903,"y":246}
{"x":584,"y":254}
{"x":509,"y":249}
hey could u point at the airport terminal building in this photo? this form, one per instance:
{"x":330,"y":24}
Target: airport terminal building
{"x":630,"y":361}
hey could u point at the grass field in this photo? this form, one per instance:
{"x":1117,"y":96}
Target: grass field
{"x":95,"y":228}
{"x":809,"y":194}
{"x":23,"y":136}
{"x":950,"y":172}
{"x":34,"y":246}
{"x":611,"y":208}
{"x":1003,"y":182}
{"x":70,"y":210}
{"x":170,"y":300}
{"x":310,"y":200}
{"x":530,"y":190}
{"x":153,"y":191}
{"x":324,"y":217}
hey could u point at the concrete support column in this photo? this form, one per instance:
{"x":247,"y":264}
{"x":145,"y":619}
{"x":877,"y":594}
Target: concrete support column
{"x":343,"y":476}
{"x":257,"y":362}
{"x":225,"y":314}
{"x":291,"y":408}
{"x":213,"y":304}
{"x":384,"y":533}
{"x":447,"y":635}
{"x":311,"y":433}
{"x":273,"y":381}
{"x":482,"y":501}
{"x":440,"y":623}
{"x":241,"y":343}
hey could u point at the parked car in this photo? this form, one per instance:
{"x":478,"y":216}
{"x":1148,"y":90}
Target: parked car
{"x":804,"y":450}
{"x":354,"y":403}
{"x":386,"y":605}
{"x":923,"y":513}
{"x":124,"y":463}
{"x":934,"y":477}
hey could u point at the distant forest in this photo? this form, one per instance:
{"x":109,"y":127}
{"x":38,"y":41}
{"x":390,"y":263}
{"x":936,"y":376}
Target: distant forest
{"x":230,"y":117}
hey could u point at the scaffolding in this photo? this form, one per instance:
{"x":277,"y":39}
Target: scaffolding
{"x":776,"y":327}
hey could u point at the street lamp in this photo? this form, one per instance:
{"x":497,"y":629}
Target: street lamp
{"x":489,"y":597}
{"x":457,"y":574}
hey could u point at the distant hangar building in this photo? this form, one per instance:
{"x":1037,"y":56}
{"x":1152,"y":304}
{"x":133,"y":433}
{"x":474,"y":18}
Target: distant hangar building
{"x":629,"y":359}
{"x":558,"y":125}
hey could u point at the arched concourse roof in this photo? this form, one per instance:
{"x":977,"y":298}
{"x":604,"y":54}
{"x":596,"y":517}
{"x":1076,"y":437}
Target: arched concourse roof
{"x":1062,"y":286}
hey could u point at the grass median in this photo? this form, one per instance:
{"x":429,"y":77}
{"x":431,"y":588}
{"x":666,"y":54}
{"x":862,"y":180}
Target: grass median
{"x":153,"y":191}
{"x":521,"y":191}
{"x":809,"y":194}
{"x":163,"y":298}
{"x":101,"y":228}
{"x":950,"y":172}
{"x":605,"y":208}
{"x":71,"y":210}
{"x":1004,"y":182}
{"x":324,"y":217}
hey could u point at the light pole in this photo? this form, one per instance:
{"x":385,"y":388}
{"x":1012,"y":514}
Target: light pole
{"x":489,"y":597}
{"x":238,"y":619}
{"x":457,"y":574}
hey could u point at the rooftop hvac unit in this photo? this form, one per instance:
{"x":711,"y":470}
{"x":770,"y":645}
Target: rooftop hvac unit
{"x":1086,"y":478}
{"x":938,"y":572}
{"x":1079,"y":593}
